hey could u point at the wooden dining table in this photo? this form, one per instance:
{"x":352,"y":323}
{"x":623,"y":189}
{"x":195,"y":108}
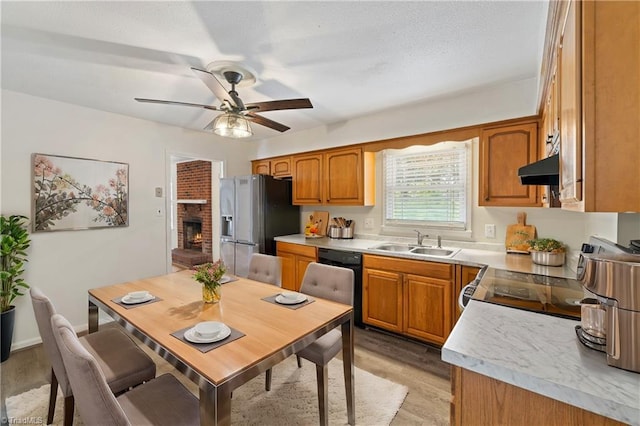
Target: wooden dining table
{"x":272,"y":332}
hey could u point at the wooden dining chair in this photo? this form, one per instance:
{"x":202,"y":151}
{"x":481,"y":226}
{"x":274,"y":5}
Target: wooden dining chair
{"x":160,"y":401}
{"x":124,"y":364}
{"x":266,"y":269}
{"x":331,"y":283}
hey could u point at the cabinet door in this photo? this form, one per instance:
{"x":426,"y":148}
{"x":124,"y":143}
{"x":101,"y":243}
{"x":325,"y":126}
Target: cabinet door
{"x":503,"y":150}
{"x":382,"y":299}
{"x":261,"y":167}
{"x":301,"y":267}
{"x":307,"y":179}
{"x":281,"y":167}
{"x":427,"y":308}
{"x":344,"y":177}
{"x":569,"y":84}
{"x":288,"y":270}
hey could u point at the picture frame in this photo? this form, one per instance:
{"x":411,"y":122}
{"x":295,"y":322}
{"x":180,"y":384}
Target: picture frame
{"x":71,"y":193}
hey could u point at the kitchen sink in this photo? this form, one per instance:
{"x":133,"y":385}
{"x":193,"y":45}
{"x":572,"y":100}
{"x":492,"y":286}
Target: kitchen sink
{"x":434,"y":251}
{"x":412,"y":249}
{"x":393,"y":247}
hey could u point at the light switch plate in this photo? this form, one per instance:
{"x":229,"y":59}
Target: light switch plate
{"x":489,"y":231}
{"x":158,"y":191}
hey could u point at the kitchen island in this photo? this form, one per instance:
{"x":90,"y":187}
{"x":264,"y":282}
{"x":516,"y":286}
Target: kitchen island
{"x":541,"y":354}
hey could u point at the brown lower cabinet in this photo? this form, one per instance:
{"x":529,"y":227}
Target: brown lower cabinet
{"x":295,"y":259}
{"x":410,"y":297}
{"x":481,"y":400}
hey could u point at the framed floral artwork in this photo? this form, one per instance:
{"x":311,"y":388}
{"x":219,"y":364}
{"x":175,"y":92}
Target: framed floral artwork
{"x":78,"y":193}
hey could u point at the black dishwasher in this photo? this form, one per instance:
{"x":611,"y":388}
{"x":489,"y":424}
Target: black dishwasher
{"x":353,"y":261}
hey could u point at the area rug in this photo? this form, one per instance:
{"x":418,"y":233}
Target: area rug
{"x":292,"y":400}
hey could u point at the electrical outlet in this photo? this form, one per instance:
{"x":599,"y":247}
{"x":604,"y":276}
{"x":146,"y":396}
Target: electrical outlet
{"x":490,"y":231}
{"x":368,"y":223}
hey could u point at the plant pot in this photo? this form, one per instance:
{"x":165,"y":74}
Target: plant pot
{"x":547,"y":258}
{"x":211,"y":294}
{"x":6,"y":328}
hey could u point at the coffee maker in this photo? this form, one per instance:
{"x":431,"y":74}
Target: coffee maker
{"x":615,"y":280}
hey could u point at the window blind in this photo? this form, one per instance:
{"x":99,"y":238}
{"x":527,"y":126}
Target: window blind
{"x":427,"y":188}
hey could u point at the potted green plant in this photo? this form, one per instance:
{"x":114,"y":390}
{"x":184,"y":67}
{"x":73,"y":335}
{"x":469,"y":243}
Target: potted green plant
{"x":547,"y":251}
{"x":210,"y":275}
{"x":15,"y":241}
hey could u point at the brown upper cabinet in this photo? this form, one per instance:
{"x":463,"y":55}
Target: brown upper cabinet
{"x":503,"y":150}
{"x":598,"y":96}
{"x":276,"y":167}
{"x":339,"y":176}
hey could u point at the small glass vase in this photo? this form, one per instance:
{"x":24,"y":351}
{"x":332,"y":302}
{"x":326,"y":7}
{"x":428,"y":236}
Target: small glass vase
{"x":211,"y":294}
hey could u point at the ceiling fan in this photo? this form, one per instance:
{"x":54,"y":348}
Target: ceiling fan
{"x":234,"y":121}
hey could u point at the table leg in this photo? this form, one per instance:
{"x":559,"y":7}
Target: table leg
{"x":347,"y":362}
{"x":93,"y":318}
{"x":215,"y":405}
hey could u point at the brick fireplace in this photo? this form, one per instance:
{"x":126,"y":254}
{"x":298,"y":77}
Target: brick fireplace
{"x":193,"y":191}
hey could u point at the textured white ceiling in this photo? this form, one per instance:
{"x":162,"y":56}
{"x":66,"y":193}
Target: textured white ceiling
{"x":350,"y":58}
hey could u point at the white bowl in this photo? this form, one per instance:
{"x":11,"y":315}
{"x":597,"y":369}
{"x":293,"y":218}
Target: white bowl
{"x":208,"y":329}
{"x":137,"y":295}
{"x":290,"y":295}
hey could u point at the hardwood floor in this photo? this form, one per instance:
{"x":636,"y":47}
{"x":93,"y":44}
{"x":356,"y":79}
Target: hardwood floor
{"x":412,"y":364}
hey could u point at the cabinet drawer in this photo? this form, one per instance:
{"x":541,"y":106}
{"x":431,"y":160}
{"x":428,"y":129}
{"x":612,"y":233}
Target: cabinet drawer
{"x":443,"y":271}
{"x":299,"y":249}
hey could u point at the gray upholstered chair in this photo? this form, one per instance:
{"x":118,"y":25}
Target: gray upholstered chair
{"x":160,"y":401}
{"x":332,"y":283}
{"x":124,"y":364}
{"x":266,"y":269}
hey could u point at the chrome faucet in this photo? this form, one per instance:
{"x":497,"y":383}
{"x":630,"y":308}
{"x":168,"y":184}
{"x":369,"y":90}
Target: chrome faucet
{"x":420,"y":236}
{"x":439,"y":241}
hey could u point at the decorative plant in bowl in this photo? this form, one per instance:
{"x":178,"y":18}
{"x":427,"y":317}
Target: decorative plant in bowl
{"x":15,"y":241}
{"x":547,"y":251}
{"x":210,"y":274}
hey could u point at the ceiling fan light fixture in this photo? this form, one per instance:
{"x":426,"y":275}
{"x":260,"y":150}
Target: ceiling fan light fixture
{"x":232,"y":125}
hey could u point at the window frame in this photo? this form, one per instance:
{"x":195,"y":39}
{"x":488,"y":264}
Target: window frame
{"x":393,"y":227}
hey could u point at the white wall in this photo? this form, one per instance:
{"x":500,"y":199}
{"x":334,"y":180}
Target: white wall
{"x":496,"y":103}
{"x":65,"y":264}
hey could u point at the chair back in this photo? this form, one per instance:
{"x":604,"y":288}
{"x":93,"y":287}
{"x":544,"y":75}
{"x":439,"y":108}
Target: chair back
{"x":93,"y":397}
{"x":266,"y":269}
{"x":44,"y":310}
{"x":328,"y":282}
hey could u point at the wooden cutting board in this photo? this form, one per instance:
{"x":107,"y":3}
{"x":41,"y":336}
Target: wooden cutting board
{"x":518,"y":234}
{"x":322,"y":219}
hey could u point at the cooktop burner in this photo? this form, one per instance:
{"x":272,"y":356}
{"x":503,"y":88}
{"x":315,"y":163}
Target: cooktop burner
{"x":556,"y":296}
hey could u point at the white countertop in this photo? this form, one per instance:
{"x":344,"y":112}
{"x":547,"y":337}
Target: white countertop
{"x":466,"y":256}
{"x":537,"y":352}
{"x":542,"y":354}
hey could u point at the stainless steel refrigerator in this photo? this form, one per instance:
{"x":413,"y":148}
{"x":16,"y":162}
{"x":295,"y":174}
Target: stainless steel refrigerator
{"x":254,"y":209}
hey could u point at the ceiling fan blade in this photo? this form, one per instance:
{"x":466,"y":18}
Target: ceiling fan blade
{"x":258,"y":119}
{"x":209,"y":127}
{"x":215,"y":86}
{"x":277,"y":105}
{"x":158,"y":101}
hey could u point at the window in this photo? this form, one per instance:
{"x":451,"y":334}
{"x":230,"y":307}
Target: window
{"x":428,"y":187}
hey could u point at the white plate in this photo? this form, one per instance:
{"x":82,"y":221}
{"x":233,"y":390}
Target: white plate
{"x":130,"y":301}
{"x":193,"y":337}
{"x":288,"y":301}
{"x":225,"y":279}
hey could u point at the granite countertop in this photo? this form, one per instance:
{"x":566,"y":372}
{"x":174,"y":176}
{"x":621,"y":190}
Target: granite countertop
{"x":541,"y":353}
{"x":466,"y":256}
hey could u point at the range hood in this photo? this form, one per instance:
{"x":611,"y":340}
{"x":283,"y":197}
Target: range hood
{"x":543,"y":172}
